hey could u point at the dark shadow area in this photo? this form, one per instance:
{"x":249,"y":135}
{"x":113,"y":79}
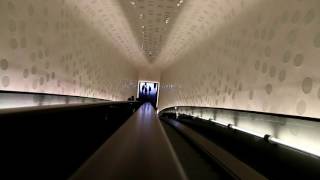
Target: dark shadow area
{"x":53,"y":142}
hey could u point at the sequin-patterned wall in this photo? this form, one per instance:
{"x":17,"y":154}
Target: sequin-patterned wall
{"x":46,"y":46}
{"x":264,"y":57}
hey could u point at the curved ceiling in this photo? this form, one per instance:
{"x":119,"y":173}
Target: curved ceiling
{"x":139,"y":28}
{"x":151,"y":21}
{"x":107,"y":18}
{"x":154,"y":33}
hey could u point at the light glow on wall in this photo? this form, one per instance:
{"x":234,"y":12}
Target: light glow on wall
{"x":247,"y":131}
{"x":299,"y":134}
{"x":306,"y":149}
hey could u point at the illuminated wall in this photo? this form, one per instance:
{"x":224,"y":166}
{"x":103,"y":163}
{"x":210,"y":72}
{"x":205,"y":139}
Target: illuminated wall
{"x":250,"y":55}
{"x":292,"y":131}
{"x":49,"y":47}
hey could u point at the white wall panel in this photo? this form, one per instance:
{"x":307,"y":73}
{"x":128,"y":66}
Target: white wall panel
{"x":49,"y":46}
{"x":263,"y":57}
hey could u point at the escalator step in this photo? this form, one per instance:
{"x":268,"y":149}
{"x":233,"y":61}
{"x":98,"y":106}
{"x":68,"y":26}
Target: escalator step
{"x":195,"y":164}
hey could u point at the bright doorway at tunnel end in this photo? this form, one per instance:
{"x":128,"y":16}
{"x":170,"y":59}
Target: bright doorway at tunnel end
{"x":148,"y":91}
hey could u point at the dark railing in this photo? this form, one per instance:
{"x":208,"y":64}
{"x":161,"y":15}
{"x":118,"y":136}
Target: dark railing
{"x":261,"y":140}
{"x":51,"y":142}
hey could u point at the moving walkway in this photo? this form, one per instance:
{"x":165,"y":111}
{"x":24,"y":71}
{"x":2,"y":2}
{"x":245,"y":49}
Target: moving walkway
{"x":127,"y":140}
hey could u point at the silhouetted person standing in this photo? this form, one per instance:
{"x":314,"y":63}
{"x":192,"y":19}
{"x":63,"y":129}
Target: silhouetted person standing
{"x":145,"y":89}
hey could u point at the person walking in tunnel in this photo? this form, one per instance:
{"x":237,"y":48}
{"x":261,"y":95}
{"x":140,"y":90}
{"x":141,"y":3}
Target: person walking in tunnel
{"x":149,"y":90}
{"x":144,"y":89}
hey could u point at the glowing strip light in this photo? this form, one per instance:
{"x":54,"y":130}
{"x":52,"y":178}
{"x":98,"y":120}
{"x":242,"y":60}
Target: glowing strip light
{"x":278,"y":141}
{"x":246,"y":131}
{"x":219,"y":123}
{"x":270,"y":139}
{"x":308,"y":151}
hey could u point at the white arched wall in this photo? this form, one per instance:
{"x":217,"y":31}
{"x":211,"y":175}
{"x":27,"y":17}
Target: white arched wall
{"x":47,"y":46}
{"x":265,"y":58}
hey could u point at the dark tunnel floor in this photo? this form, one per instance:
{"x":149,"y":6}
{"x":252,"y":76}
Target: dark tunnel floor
{"x":195,"y":164}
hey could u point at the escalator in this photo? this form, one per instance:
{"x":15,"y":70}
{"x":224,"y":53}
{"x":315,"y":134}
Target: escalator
{"x":147,"y":148}
{"x":195,"y":163}
{"x":127,"y":140}
{"x":272,"y":161}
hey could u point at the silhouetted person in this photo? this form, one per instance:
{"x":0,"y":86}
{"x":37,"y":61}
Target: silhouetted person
{"x":145,"y":91}
{"x":131,"y":98}
{"x":149,"y":90}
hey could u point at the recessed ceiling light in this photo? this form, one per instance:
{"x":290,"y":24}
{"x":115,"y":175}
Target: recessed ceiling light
{"x":167,"y":20}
